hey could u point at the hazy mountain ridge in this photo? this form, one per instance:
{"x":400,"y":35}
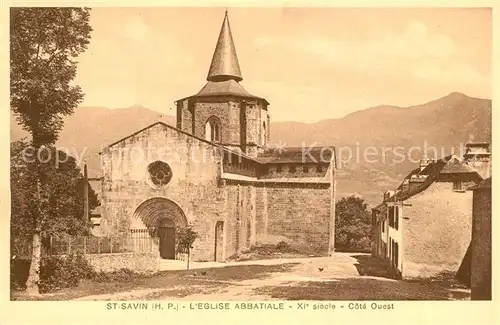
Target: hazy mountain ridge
{"x":445,"y":122}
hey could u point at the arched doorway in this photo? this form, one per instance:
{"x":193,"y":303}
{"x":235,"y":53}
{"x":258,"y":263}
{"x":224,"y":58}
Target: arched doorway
{"x":162,"y":217}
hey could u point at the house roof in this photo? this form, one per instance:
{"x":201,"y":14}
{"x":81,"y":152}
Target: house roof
{"x":454,"y":166}
{"x":380,"y":208}
{"x":297,"y":155}
{"x":484,"y":184}
{"x":447,"y":165}
{"x":96,"y":211}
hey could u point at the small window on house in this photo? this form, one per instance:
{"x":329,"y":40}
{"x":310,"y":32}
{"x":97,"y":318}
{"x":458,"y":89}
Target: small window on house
{"x":457,"y":185}
{"x":265,"y":170}
{"x":305,"y":169}
{"x":292,"y":168}
{"x":278,"y":169}
{"x":319,"y":169}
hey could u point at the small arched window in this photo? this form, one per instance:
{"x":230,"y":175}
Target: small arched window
{"x":213,"y":129}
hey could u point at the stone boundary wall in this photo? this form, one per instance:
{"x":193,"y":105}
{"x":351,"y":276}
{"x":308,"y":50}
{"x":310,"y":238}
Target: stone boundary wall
{"x":142,"y":263}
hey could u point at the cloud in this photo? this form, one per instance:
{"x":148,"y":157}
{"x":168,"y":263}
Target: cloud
{"x":413,"y":51}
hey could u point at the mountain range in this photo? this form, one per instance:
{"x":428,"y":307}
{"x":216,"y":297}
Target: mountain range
{"x":376,"y":138}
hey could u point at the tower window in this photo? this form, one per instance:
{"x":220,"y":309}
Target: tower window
{"x":213,"y":129}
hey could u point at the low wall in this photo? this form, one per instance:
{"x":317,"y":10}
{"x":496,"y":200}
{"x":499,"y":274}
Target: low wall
{"x":143,"y":263}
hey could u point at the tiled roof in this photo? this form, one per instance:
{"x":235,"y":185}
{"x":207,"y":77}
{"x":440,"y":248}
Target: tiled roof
{"x":297,"y":155}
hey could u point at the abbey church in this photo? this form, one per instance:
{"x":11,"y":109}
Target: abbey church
{"x":217,"y":171}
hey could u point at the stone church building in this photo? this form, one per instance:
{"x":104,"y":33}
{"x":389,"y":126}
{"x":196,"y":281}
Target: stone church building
{"x":217,"y":171}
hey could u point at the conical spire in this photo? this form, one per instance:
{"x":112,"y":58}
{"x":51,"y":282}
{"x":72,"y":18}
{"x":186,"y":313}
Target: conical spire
{"x":225,"y":64}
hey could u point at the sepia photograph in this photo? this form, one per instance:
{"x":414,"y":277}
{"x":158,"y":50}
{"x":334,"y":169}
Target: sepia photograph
{"x":258,"y":156}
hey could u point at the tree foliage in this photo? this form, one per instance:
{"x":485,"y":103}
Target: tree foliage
{"x":352,"y":224}
{"x":185,"y":240}
{"x":45,"y":43}
{"x":63,"y":208}
{"x":44,"y":46}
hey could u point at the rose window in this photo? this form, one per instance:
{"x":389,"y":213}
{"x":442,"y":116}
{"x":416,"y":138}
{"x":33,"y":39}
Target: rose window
{"x":160,"y":173}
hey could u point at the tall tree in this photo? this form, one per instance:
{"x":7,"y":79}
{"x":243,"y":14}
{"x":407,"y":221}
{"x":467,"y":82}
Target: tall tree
{"x":44,"y":46}
{"x":352,"y":224}
{"x":65,"y":203}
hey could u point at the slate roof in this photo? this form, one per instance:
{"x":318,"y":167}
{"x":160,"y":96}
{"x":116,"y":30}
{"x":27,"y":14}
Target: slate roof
{"x":382,"y":207}
{"x":225,"y":61}
{"x":224,"y":88}
{"x":447,"y":165}
{"x":296,"y":155}
{"x":484,"y":184}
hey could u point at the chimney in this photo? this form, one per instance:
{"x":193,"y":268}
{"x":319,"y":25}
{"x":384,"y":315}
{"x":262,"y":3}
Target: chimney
{"x":405,"y":185}
{"x":424,"y":163}
{"x":478,"y":156}
{"x":415,"y":181}
{"x":388,"y":194}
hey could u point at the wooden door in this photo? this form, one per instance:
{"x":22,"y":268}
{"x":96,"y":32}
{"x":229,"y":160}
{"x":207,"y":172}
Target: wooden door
{"x":167,"y":242}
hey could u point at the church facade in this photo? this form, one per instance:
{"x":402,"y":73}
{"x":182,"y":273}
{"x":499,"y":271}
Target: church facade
{"x":216,"y":170}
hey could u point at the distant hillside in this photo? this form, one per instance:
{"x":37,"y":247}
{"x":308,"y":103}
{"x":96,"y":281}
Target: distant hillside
{"x":443,"y":123}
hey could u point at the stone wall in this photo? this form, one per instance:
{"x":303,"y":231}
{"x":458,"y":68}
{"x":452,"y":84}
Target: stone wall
{"x":228,"y":110}
{"x":436,"y":230}
{"x":142,"y":263}
{"x":194,"y":185}
{"x":241,"y":226}
{"x":481,"y":245}
{"x":299,"y":214}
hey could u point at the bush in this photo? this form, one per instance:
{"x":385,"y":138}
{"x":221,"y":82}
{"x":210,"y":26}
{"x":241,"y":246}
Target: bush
{"x":282,"y":246}
{"x":64,"y":272}
{"x":56,"y":272}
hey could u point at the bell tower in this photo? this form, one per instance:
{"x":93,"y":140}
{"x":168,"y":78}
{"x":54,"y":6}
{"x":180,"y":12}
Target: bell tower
{"x":223,"y":111}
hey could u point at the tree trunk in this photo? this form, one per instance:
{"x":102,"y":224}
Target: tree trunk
{"x":32,"y":284}
{"x":188,"y":259}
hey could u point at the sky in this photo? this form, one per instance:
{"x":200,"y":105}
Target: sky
{"x":311,"y":64}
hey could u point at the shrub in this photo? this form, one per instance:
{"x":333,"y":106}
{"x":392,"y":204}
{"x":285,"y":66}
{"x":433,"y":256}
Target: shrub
{"x":56,"y":272}
{"x":19,"y":269}
{"x":283,"y":246}
{"x":64,"y":272}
